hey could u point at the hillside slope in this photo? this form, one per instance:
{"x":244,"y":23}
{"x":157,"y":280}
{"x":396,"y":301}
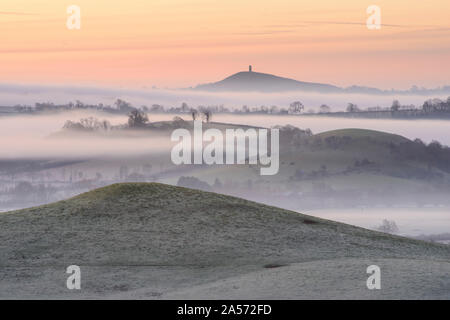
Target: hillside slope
{"x":356,"y":133}
{"x":339,"y":168}
{"x":145,"y":235}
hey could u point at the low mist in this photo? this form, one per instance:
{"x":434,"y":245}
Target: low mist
{"x":33,"y":136}
{"x":13,"y":94}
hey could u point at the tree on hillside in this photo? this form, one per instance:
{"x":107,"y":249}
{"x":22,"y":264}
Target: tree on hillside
{"x":388,"y":226}
{"x":207,"y":115}
{"x":194,"y":114}
{"x":137,"y":119}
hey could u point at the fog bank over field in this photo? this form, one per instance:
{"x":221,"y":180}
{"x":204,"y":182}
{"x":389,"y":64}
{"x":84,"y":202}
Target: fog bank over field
{"x":30,"y":136}
{"x":13,"y":94}
{"x":353,"y":168}
{"x":44,"y":124}
{"x":27,"y":136}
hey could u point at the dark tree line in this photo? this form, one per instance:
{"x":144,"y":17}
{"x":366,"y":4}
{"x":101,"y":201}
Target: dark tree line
{"x":434,"y":154}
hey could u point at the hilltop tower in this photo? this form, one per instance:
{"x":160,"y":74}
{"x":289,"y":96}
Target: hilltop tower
{"x":250,"y":68}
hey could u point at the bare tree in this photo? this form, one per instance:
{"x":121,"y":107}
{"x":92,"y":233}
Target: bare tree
{"x":88,"y":124}
{"x":194,"y":114}
{"x":207,"y":115}
{"x":388,"y":226}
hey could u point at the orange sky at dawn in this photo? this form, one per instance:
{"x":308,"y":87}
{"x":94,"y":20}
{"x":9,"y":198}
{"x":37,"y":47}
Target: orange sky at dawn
{"x":179,"y":43}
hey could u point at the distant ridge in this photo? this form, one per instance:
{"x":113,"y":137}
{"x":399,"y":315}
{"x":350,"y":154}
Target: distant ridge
{"x":265,"y":82}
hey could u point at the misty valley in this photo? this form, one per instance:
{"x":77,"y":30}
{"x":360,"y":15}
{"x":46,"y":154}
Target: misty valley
{"x":357,"y":172}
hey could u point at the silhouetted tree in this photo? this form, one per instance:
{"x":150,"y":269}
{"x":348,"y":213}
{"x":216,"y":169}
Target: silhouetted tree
{"x":395,"y":105}
{"x":123,"y":105}
{"x":137,"y":119}
{"x":194,"y":114}
{"x":296,"y":107}
{"x":184,"y":107}
{"x":207,"y":115}
{"x":351,"y":107}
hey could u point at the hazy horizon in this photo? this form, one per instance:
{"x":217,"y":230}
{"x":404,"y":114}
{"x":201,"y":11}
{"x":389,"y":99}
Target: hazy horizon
{"x":28,"y":94}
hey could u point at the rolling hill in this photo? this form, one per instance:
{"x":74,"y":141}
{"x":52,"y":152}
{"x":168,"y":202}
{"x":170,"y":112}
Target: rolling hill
{"x":356,"y":133}
{"x":150,"y":240}
{"x":264,"y":82}
{"x":340,"y":168}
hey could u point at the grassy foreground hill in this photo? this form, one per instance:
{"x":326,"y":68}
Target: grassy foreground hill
{"x":149,"y":240}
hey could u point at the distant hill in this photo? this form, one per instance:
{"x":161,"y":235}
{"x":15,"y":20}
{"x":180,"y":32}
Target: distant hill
{"x":357,"y":133}
{"x":264,"y":82}
{"x":147,"y":240}
{"x":256,"y":81}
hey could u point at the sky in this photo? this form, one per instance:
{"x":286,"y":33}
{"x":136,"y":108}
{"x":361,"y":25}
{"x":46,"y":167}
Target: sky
{"x":181,"y":43}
